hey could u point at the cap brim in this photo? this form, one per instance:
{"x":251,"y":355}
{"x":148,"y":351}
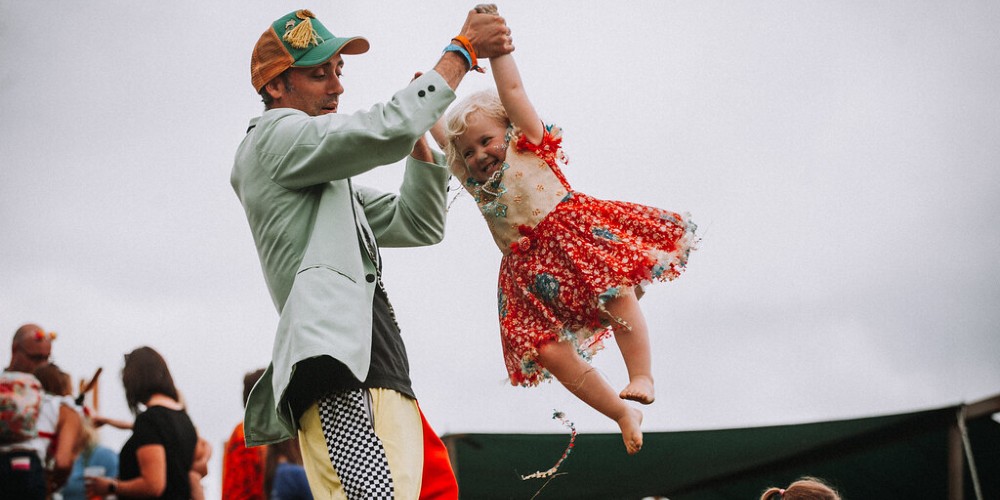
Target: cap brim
{"x":324,"y":51}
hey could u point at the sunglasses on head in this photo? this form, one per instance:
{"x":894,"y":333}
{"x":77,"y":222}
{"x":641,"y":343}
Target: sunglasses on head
{"x":41,"y":335}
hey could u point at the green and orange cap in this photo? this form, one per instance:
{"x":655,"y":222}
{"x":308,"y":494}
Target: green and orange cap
{"x":297,"y":40}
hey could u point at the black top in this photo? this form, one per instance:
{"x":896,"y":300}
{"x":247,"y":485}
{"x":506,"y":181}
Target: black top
{"x":315,"y":377}
{"x":171,"y":429}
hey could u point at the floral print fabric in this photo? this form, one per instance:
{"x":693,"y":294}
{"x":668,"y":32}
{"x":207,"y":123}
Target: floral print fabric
{"x":242,"y":469}
{"x":554,"y":282}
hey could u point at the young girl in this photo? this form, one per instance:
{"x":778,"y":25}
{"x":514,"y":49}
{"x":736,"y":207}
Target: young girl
{"x":572,"y":265}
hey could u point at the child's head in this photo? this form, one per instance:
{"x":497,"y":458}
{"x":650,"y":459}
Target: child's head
{"x":477,"y":136}
{"x":806,"y":488}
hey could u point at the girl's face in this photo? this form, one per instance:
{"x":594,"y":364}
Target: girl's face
{"x":482,"y":146}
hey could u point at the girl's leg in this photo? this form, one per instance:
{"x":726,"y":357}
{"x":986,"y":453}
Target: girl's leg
{"x":562,"y":361}
{"x":634,"y":345}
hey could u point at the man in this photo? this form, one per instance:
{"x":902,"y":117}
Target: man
{"x":21,"y":472}
{"x":30,"y":348}
{"x":339,"y":375}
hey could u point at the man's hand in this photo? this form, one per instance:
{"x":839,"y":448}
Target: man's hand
{"x":487,"y":32}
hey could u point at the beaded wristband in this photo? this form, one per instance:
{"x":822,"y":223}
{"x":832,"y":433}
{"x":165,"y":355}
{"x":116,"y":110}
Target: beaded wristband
{"x":461,"y":50}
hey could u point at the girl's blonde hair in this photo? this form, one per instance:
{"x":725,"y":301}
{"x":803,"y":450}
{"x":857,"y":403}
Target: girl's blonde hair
{"x":485,"y":102}
{"x":806,"y":488}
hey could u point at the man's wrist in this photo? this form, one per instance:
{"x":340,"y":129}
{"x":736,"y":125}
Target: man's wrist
{"x":113,"y":486}
{"x":458,"y":49}
{"x":469,"y":52}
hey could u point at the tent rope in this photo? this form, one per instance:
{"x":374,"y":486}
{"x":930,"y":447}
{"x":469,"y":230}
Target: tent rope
{"x":967,"y":445}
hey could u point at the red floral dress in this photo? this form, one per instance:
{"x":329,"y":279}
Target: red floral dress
{"x":566,"y":253}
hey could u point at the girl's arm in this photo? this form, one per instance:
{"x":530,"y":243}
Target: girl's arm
{"x":440,"y":134}
{"x":514,"y":98}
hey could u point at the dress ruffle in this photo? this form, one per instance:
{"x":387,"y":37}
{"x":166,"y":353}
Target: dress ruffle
{"x":557,"y":278}
{"x":567,"y":255}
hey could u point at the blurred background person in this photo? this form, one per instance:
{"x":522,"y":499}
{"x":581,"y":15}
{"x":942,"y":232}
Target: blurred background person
{"x":284,"y":475}
{"x":21,"y":451}
{"x":199,"y":468}
{"x":806,"y":488}
{"x":242,"y":467}
{"x":59,"y":426}
{"x":92,"y":454}
{"x":156,"y":459}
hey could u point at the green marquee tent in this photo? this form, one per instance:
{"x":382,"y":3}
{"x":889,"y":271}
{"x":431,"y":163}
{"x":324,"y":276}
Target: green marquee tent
{"x":946,"y":453}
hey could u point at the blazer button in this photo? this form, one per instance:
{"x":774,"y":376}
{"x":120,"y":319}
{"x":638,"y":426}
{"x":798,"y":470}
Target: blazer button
{"x":421,"y":93}
{"x":370,"y":278}
{"x":431,"y":88}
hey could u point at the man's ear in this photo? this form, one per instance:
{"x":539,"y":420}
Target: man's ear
{"x":275,"y":87}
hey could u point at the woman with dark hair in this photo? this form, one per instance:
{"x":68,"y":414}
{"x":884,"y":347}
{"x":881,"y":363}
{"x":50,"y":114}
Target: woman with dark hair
{"x":155,"y":461}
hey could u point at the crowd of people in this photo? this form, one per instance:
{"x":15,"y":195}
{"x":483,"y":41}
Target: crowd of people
{"x":50,"y":446}
{"x":164,"y":457}
{"x":573,"y":270}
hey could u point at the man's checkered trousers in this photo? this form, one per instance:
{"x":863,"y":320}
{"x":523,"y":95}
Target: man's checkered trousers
{"x":356,"y":452}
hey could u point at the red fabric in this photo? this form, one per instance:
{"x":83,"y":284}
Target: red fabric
{"x":242,"y":469}
{"x":438,"y":480}
{"x":50,"y":450}
{"x":557,"y":277}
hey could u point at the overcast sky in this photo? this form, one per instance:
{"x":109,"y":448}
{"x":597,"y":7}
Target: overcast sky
{"x":841,"y":159}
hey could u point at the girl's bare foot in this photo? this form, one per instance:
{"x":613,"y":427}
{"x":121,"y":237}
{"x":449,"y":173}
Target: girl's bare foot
{"x":639,"y":389}
{"x":631,"y":433}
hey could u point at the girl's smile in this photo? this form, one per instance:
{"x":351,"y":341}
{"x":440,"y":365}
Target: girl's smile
{"x":483,"y":146}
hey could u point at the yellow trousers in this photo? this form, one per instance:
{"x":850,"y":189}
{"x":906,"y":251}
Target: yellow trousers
{"x":398,"y":425}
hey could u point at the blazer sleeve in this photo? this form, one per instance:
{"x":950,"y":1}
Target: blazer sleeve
{"x":298,"y":150}
{"x":416,"y":216}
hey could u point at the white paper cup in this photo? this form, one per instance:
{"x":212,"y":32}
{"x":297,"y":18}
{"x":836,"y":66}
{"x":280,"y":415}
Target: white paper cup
{"x":94,"y":471}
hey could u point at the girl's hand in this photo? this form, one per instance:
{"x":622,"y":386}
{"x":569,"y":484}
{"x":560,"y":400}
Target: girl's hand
{"x":440,"y":134}
{"x":488,"y":33}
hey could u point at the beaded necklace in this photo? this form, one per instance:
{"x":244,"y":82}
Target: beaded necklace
{"x":491,"y":190}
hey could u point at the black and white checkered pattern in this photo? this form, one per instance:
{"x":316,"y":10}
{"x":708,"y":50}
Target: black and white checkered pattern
{"x":356,"y":452}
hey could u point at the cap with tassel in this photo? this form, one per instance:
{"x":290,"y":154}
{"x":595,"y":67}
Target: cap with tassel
{"x":303,"y":42}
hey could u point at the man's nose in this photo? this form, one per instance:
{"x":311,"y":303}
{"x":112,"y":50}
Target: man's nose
{"x":335,"y":87}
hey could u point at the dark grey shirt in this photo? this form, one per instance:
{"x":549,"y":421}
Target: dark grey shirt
{"x":390,"y":369}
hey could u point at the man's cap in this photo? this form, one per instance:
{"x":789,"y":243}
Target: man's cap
{"x":298,"y":40}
